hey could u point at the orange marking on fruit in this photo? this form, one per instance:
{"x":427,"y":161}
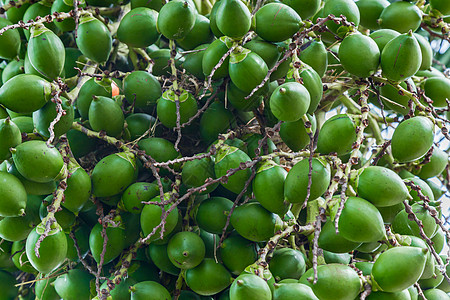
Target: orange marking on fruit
{"x":115,"y":89}
{"x":274,"y":17}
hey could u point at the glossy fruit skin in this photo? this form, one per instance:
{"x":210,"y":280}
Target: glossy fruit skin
{"x":52,"y":251}
{"x":208,"y":278}
{"x":436,"y":294}
{"x":9,"y":41}
{"x":113,"y":174}
{"x":36,"y":161}
{"x":33,"y":187}
{"x":195,"y":173}
{"x":335,"y":281}
{"x":402,"y":17}
{"x":246,"y":69}
{"x":294,"y":290}
{"x":73,"y":285}
{"x":402,"y":225}
{"x":10,"y":136}
{"x":14,"y":197}
{"x":250,"y":286}
{"x":64,"y":6}
{"x":438,"y":89}
{"x":254,"y":222}
{"x":142,"y":89}
{"x":229,"y":157}
{"x":166,"y":108}
{"x":391,"y":93}
{"x":13,"y":96}
{"x":347,"y":8}
{"x":46,"y":52}
{"x":186,"y":250}
{"x":94,"y":39}
{"x":78,"y":189}
{"x":133,"y":196}
{"x":139,"y":123}
{"x":427,"y":52}
{"x":13,"y":68}
{"x":43,"y":117}
{"x":237,"y":253}
{"x":114,"y":245}
{"x":212,"y":56}
{"x":412,"y":139}
{"x":383,"y":36}
{"x":212,"y":214}
{"x":269,"y":52}
{"x":359,"y":55}
{"x":381,"y":186}
{"x":215,"y":120}
{"x":276,"y":22}
{"x":268,"y":187}
{"x":425,"y":189}
{"x":17,"y":228}
{"x":379,"y":295}
{"x":105,"y":114}
{"x":398,"y":268}
{"x":441,"y":5}
{"x":339,"y":128}
{"x":290,"y":101}
{"x":294,"y":134}
{"x":305,"y":8}
{"x":138,"y":27}
{"x":158,"y":254}
{"x":313,"y":83}
{"x":45,"y":290}
{"x":176,"y":20}
{"x":237,"y":98}
{"x":7,"y":285}
{"x":315,"y":55}
{"x":90,"y":88}
{"x":295,"y":186}
{"x":361,"y":221}
{"x":160,"y":149}
{"x":149,"y":289}
{"x":200,"y":34}
{"x":233,"y":18}
{"x":370,"y":11}
{"x":287,"y":263}
{"x":151,"y":217}
{"x":436,"y":166}
{"x":401,"y":57}
{"x":34,"y":10}
{"x":337,"y":243}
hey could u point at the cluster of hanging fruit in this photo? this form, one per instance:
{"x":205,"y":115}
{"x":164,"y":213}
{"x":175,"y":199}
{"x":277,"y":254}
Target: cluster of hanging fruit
{"x":229,"y":149}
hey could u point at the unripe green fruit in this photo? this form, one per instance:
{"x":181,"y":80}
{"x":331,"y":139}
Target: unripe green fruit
{"x":52,"y":251}
{"x":412,"y":139}
{"x":176,"y":19}
{"x":233,"y":18}
{"x":398,"y":268}
{"x":359,"y":55}
{"x":401,"y":57}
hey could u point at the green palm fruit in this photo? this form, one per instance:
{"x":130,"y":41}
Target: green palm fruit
{"x":94,"y":39}
{"x":52,"y":250}
{"x":176,"y":19}
{"x":113,"y":174}
{"x":14,"y":97}
{"x":46,"y":52}
{"x":37,"y":161}
{"x":401,"y":57}
{"x":398,"y":268}
{"x":138,"y":28}
{"x":276,"y":22}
